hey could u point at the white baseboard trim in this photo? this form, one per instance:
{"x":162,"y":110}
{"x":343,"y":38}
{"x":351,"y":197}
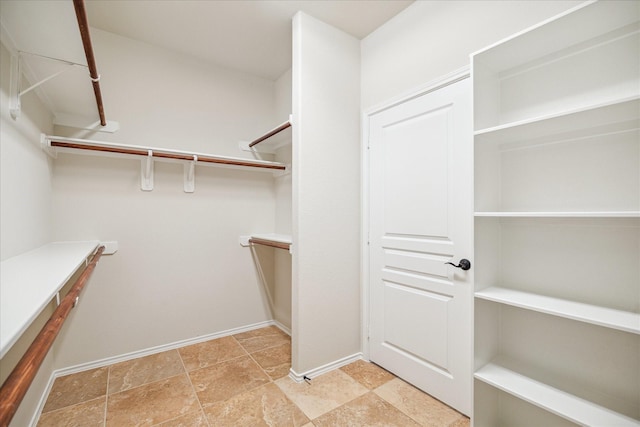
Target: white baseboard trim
{"x":42,"y":401}
{"x":145,"y":352}
{"x":159,"y":349}
{"x":312,"y":373}
{"x":282,"y":327}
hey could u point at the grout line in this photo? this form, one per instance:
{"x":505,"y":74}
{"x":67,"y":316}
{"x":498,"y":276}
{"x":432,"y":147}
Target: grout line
{"x":106,"y":397}
{"x":195,"y":393}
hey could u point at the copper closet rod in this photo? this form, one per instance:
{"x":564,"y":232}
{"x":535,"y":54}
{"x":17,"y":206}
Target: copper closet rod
{"x":279,"y":245}
{"x":18,"y":382}
{"x":160,"y":154}
{"x":83,"y":24}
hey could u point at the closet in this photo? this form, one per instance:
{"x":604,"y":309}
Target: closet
{"x":557,"y":222}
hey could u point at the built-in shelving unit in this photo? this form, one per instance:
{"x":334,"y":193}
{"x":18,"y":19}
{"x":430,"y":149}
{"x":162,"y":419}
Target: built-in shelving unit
{"x":557,"y":222}
{"x":31,"y":280}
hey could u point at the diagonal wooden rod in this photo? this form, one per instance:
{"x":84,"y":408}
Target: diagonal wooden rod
{"x":264,"y":242}
{"x":269,"y":134}
{"x":18,"y":382}
{"x":83,"y":24}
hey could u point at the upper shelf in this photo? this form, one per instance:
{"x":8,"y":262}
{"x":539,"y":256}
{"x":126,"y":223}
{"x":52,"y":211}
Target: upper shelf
{"x":623,"y":114}
{"x":281,"y":241}
{"x":520,"y":48}
{"x":29,"y":281}
{"x":270,"y":141}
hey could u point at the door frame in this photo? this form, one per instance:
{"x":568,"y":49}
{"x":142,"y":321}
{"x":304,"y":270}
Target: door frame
{"x":365,"y":167}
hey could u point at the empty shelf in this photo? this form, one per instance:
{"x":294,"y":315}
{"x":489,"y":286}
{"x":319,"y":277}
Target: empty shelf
{"x":566,"y":405}
{"x":602,"y":316}
{"x":577,"y":214}
{"x":30,"y":281}
{"x":281,"y":241}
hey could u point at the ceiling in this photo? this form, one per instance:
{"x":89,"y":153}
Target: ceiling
{"x":252,"y":36}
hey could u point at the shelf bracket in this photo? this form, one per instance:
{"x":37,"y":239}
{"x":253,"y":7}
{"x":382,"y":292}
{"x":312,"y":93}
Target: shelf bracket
{"x":146,"y":172}
{"x":190,"y":175}
{"x":14,"y":83}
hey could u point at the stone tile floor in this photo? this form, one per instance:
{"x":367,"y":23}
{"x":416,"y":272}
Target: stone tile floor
{"x":240,"y":380}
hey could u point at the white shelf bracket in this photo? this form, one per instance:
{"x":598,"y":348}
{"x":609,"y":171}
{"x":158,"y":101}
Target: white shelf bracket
{"x":14,"y":87}
{"x":15,"y":92}
{"x":45,"y":144}
{"x":190,"y":175}
{"x":146,"y":172}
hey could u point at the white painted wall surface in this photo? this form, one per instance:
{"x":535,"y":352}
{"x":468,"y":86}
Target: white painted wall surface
{"x":432,"y":38}
{"x":282,"y":268}
{"x":25,"y":205}
{"x":179,"y":272}
{"x":326,"y":194}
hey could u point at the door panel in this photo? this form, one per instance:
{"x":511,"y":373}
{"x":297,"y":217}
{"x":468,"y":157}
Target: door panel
{"x":421,"y":216}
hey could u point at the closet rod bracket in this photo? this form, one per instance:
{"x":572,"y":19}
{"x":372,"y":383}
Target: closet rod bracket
{"x":146,"y":172}
{"x":190,"y":175}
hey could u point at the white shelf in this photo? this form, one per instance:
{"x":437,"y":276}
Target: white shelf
{"x":563,"y":404}
{"x":586,"y":22}
{"x":273,"y":237}
{"x":282,"y":241}
{"x":585,"y":214}
{"x":624,"y":113}
{"x":30,"y":281}
{"x":270,"y":141}
{"x":601,"y":316}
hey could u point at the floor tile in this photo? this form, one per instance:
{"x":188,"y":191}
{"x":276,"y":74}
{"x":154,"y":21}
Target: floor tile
{"x":275,"y":361}
{"x":423,"y":408}
{"x":227,"y":379}
{"x":325,"y":392}
{"x":260,"y":339}
{"x":77,"y":388}
{"x":368,"y":374}
{"x":462,"y":422}
{"x":209,"y":353}
{"x":192,"y":419}
{"x":264,"y":406}
{"x":144,"y":370}
{"x":86,"y":414}
{"x":152,"y":403}
{"x":367,"y":410}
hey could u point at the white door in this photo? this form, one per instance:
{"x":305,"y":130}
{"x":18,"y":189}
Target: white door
{"x":421,"y":216}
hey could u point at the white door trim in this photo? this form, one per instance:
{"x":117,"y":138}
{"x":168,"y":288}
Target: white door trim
{"x":431,"y":86}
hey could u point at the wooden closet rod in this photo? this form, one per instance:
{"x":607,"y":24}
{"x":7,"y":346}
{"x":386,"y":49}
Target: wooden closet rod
{"x":166,"y":155}
{"x":269,"y":134}
{"x":83,"y":24}
{"x":273,"y":244}
{"x":18,"y":382}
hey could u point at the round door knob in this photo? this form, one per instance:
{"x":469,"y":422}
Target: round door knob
{"x":465,"y":264}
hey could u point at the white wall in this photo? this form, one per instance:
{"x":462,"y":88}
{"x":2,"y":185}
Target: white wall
{"x":432,"y":38}
{"x":326,"y":195}
{"x":180,"y":272}
{"x":25,"y":170}
{"x":283,"y":189}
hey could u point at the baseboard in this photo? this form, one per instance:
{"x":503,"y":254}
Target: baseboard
{"x":282,"y":327}
{"x":154,"y":350}
{"x":158,"y":349}
{"x":312,"y":373}
{"x":42,"y":401}
{"x":141,"y":353}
